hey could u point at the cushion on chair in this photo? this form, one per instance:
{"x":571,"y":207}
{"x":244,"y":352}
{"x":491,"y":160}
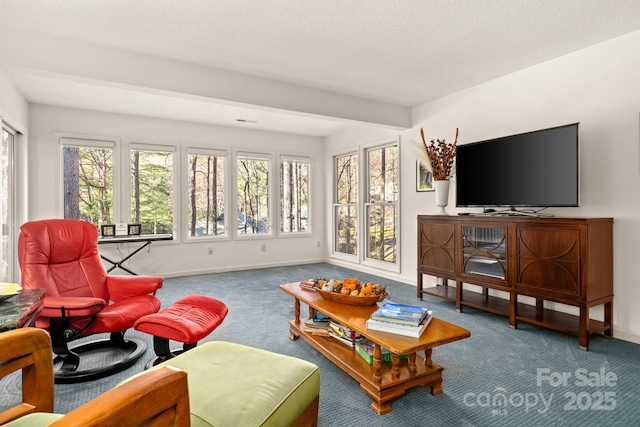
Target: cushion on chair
{"x":36,"y":419}
{"x":187,"y":320}
{"x":123,"y":287}
{"x":123,"y":314}
{"x":235,"y":385}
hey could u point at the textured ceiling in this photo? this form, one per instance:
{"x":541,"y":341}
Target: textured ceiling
{"x":400,"y":52}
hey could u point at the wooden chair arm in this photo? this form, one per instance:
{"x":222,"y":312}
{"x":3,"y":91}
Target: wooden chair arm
{"x":155,"y":398}
{"x":29,"y":350}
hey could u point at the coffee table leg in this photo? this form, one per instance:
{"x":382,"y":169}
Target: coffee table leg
{"x":395,"y":366}
{"x":377,"y":363}
{"x":412,"y":363}
{"x":293,"y":335}
{"x":427,"y":357}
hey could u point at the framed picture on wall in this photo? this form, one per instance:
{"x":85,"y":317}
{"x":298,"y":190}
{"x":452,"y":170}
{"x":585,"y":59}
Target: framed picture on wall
{"x":424,"y":178}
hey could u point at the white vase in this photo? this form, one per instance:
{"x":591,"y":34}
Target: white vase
{"x":442,"y":195}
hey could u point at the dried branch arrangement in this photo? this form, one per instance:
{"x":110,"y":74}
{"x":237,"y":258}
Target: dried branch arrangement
{"x":441,"y":156}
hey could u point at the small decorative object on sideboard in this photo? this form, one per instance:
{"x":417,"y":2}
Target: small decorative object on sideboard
{"x":439,"y":159}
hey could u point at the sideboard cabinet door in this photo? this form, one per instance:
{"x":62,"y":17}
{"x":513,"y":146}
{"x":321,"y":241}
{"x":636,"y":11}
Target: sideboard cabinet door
{"x":549,"y":262}
{"x":436,"y":251}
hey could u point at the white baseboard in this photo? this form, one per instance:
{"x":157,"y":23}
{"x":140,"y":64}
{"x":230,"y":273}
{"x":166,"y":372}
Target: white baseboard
{"x":241,"y":268}
{"x":371,"y":270}
{"x":625,"y":335}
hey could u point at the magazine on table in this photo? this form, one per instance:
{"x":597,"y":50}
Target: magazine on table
{"x":400,"y":329}
{"x":400,"y":313}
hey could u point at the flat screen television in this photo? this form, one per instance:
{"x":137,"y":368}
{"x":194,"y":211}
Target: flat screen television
{"x":533,"y":169}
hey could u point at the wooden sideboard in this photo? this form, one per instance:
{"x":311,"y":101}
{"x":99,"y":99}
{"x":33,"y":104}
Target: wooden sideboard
{"x":562,"y":260}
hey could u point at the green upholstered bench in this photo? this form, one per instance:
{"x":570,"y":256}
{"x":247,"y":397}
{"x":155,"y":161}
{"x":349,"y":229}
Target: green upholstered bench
{"x":235,"y":385}
{"x":230,"y":385}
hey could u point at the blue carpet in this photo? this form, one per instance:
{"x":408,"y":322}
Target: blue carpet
{"x":498,"y":377}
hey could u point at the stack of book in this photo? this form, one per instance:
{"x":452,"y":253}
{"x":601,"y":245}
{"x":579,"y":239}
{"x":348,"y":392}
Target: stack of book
{"x":402,"y":319}
{"x":308,"y":285}
{"x":364,"y":348}
{"x":343,"y":334}
{"x":318,"y":324}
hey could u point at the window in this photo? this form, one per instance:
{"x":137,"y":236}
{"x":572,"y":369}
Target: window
{"x":88,"y":180}
{"x":294,"y":195}
{"x":381,"y":209}
{"x":6,"y":208}
{"x":206,"y":203}
{"x":252,"y":204}
{"x":366,"y":228}
{"x":152,"y":188}
{"x":345,"y":204}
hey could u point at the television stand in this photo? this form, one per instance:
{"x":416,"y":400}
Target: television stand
{"x":556,"y":260}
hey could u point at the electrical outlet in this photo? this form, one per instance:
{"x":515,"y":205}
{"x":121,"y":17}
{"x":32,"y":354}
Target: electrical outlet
{"x":264,"y":248}
{"x":210,"y":251}
{"x":318,"y":243}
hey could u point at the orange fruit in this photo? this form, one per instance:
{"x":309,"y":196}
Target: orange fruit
{"x":367,"y":288}
{"x":350,"y":283}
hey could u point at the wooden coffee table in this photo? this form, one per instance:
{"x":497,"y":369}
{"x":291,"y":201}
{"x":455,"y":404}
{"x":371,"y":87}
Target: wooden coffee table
{"x":381,"y":381}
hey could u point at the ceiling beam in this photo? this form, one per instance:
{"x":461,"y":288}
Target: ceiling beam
{"x":119,"y":68}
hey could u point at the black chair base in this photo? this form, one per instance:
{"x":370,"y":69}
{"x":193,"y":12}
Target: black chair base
{"x":164,"y":352}
{"x":133,"y":350}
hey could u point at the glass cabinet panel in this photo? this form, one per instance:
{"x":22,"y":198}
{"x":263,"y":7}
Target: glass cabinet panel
{"x":484,"y":251}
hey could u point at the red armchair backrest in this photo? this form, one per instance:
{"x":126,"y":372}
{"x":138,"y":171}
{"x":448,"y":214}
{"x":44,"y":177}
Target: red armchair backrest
{"x":62,"y":256}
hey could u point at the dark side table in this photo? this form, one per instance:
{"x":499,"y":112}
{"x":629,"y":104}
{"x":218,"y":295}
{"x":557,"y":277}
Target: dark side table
{"x":22,"y":310}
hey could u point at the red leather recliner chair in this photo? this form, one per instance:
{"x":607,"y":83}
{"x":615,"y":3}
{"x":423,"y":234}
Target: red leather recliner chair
{"x":62,"y":256}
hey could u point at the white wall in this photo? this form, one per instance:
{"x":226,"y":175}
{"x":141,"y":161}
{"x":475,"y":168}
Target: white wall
{"x":14,"y":108}
{"x":175,"y":258}
{"x":597,"y":87}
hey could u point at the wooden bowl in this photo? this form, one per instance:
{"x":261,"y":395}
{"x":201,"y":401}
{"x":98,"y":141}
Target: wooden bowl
{"x":348,"y":299}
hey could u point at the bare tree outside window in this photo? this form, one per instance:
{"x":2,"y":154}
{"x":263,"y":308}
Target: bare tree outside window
{"x":253,"y":216}
{"x":206,"y":195}
{"x":345,"y":206}
{"x":294,"y":196}
{"x":381,"y":208}
{"x":87,"y":174}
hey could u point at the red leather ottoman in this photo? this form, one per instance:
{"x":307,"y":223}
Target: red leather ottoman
{"x":188,"y":320}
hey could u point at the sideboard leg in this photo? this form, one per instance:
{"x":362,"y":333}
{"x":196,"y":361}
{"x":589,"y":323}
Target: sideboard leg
{"x":583,"y":334}
{"x":608,"y":319}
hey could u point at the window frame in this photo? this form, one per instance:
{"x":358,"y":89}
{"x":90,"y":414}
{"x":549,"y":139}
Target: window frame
{"x":301,"y":159}
{"x":366,"y":205}
{"x":153,"y":146}
{"x":193,"y":149}
{"x":273,"y":211}
{"x":92,"y":141}
{"x":355,"y":258}
{"x":9,"y":257}
{"x":362,"y":205}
